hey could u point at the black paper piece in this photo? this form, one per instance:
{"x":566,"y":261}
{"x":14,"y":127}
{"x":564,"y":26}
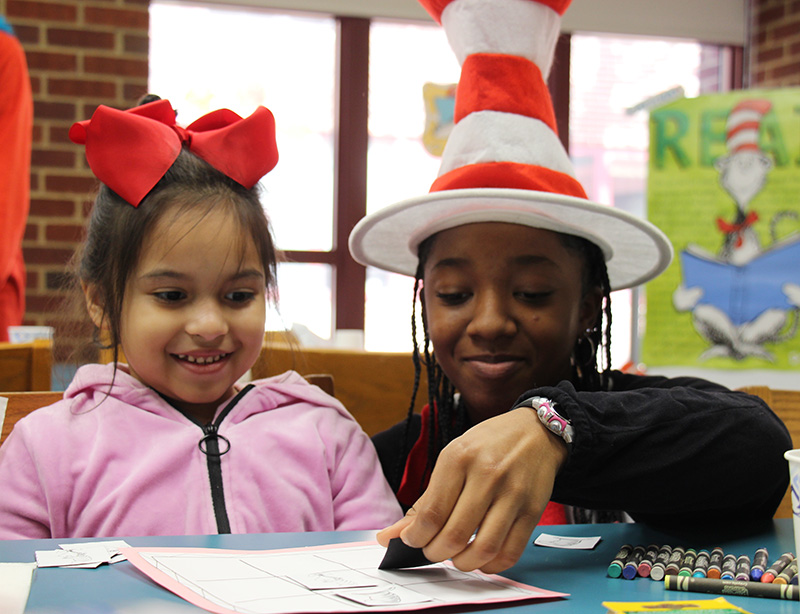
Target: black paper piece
{"x":399,"y":556}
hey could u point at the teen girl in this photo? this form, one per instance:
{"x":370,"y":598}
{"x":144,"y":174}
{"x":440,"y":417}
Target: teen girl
{"x":176,"y":267}
{"x":514,"y":270}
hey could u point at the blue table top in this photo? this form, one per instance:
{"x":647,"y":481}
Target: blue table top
{"x":122,"y":589}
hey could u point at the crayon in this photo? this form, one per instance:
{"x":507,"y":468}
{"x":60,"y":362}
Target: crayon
{"x":630,"y":569}
{"x":743,"y":568}
{"x":615,"y":567}
{"x":659,"y":567}
{"x":701,"y":564}
{"x":777,"y":567}
{"x":760,"y":560}
{"x":732,"y":587}
{"x":788,"y":575}
{"x":715,"y":563}
{"x":687,"y":565}
{"x":729,"y":567}
{"x":646,"y":564}
{"x":674,"y":563}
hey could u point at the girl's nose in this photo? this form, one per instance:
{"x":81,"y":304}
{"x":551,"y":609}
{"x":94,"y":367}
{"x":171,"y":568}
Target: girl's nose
{"x":207,"y":321}
{"x":492,"y":318}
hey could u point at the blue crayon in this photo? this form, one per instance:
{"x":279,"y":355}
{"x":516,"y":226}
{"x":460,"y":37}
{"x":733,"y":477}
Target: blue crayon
{"x":729,"y":567}
{"x":615,"y":567}
{"x":631,"y":568}
{"x":701,"y":564}
{"x":759,"y":566}
{"x":743,"y":568}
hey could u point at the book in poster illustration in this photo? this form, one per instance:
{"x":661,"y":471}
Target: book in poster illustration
{"x":724,"y":185}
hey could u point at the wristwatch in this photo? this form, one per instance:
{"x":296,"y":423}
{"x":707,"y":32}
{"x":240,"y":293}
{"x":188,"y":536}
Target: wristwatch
{"x":555,"y":422}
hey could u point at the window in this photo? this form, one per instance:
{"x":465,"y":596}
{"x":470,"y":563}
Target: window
{"x":399,"y":165}
{"x":285,"y":62}
{"x":293,"y":63}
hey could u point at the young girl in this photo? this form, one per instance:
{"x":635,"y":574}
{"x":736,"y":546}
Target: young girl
{"x":176,"y":267}
{"x":514,"y":270}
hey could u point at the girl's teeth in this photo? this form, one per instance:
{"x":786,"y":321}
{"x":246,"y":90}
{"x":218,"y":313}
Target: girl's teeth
{"x":200,"y":360}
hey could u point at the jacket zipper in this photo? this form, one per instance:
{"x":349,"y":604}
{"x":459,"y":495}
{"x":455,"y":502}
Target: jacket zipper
{"x":210,"y":446}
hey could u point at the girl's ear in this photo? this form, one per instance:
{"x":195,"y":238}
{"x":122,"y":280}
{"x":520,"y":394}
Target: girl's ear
{"x":591,"y":303}
{"x":93,"y":306}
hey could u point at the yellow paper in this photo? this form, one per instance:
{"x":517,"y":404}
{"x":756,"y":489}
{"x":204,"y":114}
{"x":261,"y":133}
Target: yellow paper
{"x":718,"y":605}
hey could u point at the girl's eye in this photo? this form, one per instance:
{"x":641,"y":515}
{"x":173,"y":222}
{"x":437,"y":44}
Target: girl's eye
{"x":170,"y":296}
{"x":240,"y":296}
{"x":533,"y":297}
{"x":453,"y":298}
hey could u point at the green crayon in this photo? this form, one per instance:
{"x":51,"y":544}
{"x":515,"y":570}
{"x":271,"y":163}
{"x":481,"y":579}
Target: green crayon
{"x":687,"y":565}
{"x":615,"y":567}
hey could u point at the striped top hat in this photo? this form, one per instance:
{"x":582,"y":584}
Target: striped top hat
{"x":503,"y":161}
{"x":744,"y":122}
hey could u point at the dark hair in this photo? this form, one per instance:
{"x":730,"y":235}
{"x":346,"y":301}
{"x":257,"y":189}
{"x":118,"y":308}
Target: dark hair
{"x":116,"y":230}
{"x":450,"y":419}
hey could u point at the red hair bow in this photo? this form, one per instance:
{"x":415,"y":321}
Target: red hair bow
{"x":131,"y":150}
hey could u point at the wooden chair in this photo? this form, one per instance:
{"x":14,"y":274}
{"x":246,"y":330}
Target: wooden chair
{"x":786,"y":404}
{"x":26,"y":366}
{"x":20,"y":404}
{"x":375,"y":387}
{"x":323,"y":380}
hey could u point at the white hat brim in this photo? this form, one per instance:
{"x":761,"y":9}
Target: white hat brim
{"x":635,"y":250}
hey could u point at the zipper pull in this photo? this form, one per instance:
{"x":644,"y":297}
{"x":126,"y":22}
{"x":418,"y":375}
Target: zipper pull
{"x":209,"y":444}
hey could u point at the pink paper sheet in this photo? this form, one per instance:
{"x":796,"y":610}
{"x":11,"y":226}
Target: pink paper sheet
{"x":277,"y":581}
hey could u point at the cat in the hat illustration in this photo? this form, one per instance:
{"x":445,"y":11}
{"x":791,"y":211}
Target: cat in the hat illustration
{"x":722,"y":290}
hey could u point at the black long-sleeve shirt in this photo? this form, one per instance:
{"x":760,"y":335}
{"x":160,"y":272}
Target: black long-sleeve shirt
{"x":679,"y":453}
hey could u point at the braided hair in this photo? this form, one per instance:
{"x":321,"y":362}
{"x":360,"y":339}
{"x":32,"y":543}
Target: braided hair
{"x":450,"y":418}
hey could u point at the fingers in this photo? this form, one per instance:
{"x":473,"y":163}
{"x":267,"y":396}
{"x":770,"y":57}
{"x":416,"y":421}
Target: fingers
{"x":516,"y":540}
{"x":390,"y":532}
{"x":433,"y":509}
{"x":459,"y":527}
{"x":503,"y":534}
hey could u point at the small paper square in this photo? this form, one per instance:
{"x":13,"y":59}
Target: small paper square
{"x":566,"y":542}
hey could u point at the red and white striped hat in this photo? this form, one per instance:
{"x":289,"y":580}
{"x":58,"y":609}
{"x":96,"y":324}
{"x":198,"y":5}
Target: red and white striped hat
{"x":503,"y":161}
{"x":744,"y":122}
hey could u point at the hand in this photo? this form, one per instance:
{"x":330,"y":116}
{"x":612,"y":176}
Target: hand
{"x":498,"y":476}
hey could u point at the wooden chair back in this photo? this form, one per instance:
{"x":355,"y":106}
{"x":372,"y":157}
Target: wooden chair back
{"x":26,"y":366}
{"x":20,"y":404}
{"x":375,"y":387}
{"x":786,"y":404}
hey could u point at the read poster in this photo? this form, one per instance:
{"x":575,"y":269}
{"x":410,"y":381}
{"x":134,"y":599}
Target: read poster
{"x":724,"y":185}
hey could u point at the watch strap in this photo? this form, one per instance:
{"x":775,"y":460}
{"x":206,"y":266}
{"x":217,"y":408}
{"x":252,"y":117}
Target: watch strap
{"x":553,"y":421}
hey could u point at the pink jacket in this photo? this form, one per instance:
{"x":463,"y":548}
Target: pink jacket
{"x":130,"y":464}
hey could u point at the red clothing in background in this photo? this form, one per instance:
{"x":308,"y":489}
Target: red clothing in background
{"x":16,"y":125}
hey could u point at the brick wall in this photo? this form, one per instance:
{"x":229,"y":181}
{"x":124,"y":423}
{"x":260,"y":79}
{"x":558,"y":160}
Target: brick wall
{"x":775,"y":43}
{"x":80,"y":54}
